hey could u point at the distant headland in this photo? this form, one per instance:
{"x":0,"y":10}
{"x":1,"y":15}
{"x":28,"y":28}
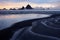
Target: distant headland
{"x":28,"y":6}
{"x":22,"y":8}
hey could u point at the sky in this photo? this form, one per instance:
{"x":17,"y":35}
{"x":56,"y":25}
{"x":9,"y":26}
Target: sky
{"x":34,"y":3}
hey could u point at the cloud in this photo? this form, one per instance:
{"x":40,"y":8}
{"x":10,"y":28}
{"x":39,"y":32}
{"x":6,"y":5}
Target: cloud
{"x":19,"y":5}
{"x":34,"y":3}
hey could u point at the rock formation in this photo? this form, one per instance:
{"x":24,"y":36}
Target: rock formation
{"x":28,"y":7}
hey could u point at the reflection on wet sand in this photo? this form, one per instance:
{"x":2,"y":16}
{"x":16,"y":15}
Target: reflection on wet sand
{"x":23,"y":16}
{"x":8,"y":20}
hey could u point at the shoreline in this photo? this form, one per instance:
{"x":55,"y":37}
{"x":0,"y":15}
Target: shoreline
{"x":8,"y":32}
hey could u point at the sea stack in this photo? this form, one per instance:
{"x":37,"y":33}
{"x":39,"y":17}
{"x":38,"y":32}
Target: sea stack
{"x":22,"y":8}
{"x":28,"y":7}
